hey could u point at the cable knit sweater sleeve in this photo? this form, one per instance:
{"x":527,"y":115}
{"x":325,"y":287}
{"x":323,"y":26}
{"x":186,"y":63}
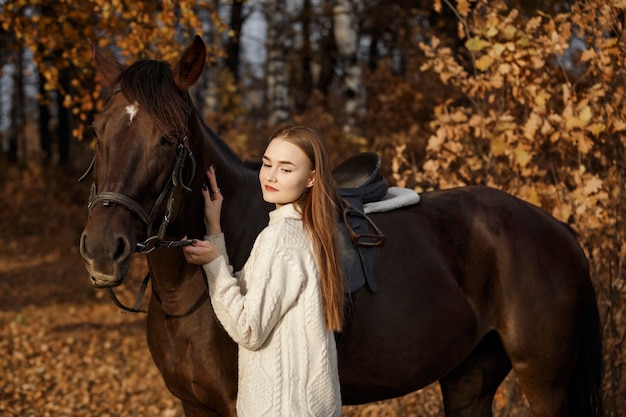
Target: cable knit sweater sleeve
{"x":251,"y":303}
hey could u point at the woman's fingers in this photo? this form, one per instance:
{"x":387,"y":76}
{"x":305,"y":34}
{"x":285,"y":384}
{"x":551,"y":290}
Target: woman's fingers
{"x":201,"y":252}
{"x":210,"y":174}
{"x":211,"y":192}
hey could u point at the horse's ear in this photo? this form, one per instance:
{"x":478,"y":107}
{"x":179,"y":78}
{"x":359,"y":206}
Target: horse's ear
{"x":106,"y":65}
{"x":191,"y":64}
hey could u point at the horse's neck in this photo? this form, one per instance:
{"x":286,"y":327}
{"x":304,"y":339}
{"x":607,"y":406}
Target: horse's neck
{"x":178,"y":286}
{"x":244,"y":213}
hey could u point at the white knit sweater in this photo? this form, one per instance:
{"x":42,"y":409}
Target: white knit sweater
{"x":273,"y":309}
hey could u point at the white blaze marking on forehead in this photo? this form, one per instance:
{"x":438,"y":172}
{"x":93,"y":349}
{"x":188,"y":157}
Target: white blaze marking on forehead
{"x":131,"y":110}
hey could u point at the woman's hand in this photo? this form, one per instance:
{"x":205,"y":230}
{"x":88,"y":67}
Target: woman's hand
{"x":212,"y":204}
{"x":200,"y":252}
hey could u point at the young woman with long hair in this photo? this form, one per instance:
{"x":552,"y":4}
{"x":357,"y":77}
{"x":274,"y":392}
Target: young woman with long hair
{"x":284,"y":306}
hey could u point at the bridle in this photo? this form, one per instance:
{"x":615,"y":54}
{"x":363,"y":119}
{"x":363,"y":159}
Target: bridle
{"x":184,"y":159}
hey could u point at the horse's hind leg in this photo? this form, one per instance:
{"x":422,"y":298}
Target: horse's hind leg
{"x":468,"y":391}
{"x":547,"y":396}
{"x":544,"y":349}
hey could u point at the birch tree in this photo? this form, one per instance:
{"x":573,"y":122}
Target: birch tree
{"x":346,"y":30}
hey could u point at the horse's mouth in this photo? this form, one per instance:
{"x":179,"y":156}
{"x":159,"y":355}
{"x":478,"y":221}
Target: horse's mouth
{"x":104,"y":284}
{"x":100,"y":280}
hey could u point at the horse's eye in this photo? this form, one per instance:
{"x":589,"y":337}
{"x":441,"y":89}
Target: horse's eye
{"x":167,"y":140}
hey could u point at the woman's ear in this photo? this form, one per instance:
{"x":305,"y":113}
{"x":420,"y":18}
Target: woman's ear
{"x":311,"y":180}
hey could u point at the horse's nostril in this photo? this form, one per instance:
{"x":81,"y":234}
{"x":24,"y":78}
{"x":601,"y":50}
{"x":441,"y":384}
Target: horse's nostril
{"x":122,"y":249}
{"x":83,"y":244}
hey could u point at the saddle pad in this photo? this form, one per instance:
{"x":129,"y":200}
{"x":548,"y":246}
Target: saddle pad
{"x":396,"y":197}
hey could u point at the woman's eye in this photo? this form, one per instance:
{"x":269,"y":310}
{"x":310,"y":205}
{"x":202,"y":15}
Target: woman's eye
{"x":285,"y":170}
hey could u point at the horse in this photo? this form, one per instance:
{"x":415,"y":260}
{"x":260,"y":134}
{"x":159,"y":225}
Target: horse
{"x":472,"y":281}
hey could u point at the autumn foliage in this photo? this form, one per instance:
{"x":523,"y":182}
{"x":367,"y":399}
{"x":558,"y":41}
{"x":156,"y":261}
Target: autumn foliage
{"x":57,"y":34}
{"x":533,"y":103}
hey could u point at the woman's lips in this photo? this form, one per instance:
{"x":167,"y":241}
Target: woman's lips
{"x":270,"y":188}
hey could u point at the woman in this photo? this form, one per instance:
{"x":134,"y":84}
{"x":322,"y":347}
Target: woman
{"x":284,"y":305}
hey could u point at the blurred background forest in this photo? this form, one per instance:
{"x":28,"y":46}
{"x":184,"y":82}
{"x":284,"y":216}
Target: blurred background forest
{"x":524,"y":96}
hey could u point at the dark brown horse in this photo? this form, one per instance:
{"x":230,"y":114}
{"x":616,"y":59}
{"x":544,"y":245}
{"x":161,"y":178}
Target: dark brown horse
{"x":472,"y":282}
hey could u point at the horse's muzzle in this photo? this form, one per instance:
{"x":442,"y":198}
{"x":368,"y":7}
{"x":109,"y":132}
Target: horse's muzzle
{"x":107,"y":257}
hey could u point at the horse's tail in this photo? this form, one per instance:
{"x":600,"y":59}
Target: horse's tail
{"x":585,"y":395}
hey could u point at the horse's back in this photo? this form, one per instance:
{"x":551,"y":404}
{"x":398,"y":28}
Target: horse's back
{"x":502,"y":248}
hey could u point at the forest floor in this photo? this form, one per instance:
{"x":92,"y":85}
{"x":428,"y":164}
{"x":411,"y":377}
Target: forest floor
{"x":65,"y":349}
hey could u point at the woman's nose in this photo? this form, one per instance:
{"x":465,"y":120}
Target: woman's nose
{"x":271,"y":175}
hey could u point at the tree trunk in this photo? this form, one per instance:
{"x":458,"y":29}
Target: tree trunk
{"x":277,"y":83}
{"x":64,"y":133}
{"x":305,"y":76}
{"x":328,"y":62}
{"x":207,"y":90}
{"x":17,"y":109}
{"x":346,"y":30}
{"x":45,"y":137}
{"x":234,"y":43}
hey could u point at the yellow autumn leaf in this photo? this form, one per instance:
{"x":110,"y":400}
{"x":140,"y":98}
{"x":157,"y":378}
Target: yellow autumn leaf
{"x":541,"y":98}
{"x":532,"y":125}
{"x":463,"y":7}
{"x":435,"y":141}
{"x":476,"y":44}
{"x":593,"y":185}
{"x":458,"y":117}
{"x":585,"y":114}
{"x":533,"y":24}
{"x":491,"y":32}
{"x":504,"y":68}
{"x":619,"y":125}
{"x":533,"y":197}
{"x":510,"y":31}
{"x":484,"y":62}
{"x":587,"y":55}
{"x":566,"y":92}
{"x":562,"y":212}
{"x":572,"y":122}
{"x":498,"y":146}
{"x":522,"y":157}
{"x":504,"y":126}
{"x":584,"y":144}
{"x":596,"y":128}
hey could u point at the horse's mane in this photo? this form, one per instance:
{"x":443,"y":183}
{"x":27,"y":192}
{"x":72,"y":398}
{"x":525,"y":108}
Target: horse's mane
{"x":151,"y":84}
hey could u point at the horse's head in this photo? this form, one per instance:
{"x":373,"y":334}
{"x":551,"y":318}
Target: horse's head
{"x":142,"y":161}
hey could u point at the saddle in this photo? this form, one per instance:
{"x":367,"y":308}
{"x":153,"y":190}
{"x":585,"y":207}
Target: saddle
{"x":359,"y":182}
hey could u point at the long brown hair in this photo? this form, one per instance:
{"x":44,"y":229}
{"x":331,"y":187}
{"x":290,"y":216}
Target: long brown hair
{"x":319,"y":208}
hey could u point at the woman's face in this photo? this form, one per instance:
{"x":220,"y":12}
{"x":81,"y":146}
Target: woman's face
{"x":286,"y":172}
